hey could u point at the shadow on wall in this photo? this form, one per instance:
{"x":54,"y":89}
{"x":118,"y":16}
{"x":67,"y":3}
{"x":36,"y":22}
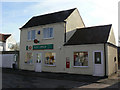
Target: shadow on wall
{"x":69,"y":34}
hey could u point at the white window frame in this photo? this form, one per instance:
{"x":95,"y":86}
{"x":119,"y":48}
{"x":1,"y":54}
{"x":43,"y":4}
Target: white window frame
{"x":29,"y":35}
{"x":80,"y":66}
{"x":33,"y":38}
{"x":48,"y":33}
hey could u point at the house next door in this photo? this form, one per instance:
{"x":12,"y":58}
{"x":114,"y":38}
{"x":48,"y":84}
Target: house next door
{"x":38,"y":64}
{"x":98,"y":63}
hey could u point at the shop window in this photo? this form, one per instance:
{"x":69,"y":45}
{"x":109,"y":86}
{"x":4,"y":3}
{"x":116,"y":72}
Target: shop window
{"x":29,"y":58}
{"x":50,"y":58}
{"x":80,"y":58}
{"x":31,"y":35}
{"x":47,"y":33}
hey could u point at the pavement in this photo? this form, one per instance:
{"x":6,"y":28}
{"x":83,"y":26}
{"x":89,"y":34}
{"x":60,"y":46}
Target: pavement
{"x":30,"y":79}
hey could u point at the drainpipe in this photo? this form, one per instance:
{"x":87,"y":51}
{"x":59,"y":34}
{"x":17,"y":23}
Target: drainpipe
{"x":105,"y":60}
{"x":65,"y":33}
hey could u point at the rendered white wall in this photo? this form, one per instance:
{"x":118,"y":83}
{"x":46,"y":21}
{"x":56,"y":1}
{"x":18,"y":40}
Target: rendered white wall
{"x":7,"y":60}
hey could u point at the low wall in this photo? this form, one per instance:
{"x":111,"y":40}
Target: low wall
{"x":8,"y":58}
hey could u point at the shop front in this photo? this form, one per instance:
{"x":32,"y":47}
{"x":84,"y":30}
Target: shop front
{"x":40,"y":55}
{"x":85,"y":59}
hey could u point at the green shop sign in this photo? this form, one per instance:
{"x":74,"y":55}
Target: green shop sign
{"x":40,"y":47}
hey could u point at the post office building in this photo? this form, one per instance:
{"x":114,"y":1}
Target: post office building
{"x":60,"y":42}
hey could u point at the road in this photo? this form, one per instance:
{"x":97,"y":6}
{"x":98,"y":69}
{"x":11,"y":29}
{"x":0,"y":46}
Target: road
{"x":15,"y":80}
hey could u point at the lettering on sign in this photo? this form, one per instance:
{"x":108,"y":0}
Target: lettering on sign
{"x":39,"y":47}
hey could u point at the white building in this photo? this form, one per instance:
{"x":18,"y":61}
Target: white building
{"x":7,"y":42}
{"x":60,"y":42}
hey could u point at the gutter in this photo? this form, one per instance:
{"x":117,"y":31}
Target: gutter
{"x":105,"y":60}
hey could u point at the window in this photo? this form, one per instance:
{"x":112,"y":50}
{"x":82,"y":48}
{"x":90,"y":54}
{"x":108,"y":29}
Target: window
{"x":31,"y":35}
{"x":29,"y":58}
{"x":39,"y":58}
{"x":1,"y":44}
{"x":114,"y":59}
{"x":50,"y":58}
{"x":80,"y":58}
{"x":47,"y":33}
{"x":97,"y":57}
{"x":10,"y":46}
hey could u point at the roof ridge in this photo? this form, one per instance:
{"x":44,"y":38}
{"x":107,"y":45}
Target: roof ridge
{"x":90,"y":35}
{"x":5,"y":34}
{"x":49,"y":18}
{"x":55,"y":12}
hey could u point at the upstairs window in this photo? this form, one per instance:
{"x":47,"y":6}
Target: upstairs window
{"x":31,"y":35}
{"x":47,"y":33}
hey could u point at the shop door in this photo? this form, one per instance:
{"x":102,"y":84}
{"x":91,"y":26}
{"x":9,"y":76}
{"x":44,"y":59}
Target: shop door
{"x":98,"y":63}
{"x":38,"y":64}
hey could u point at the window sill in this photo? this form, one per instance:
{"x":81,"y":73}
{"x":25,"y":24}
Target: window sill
{"x":50,"y":65}
{"x":48,"y":38}
{"x":80,"y":66}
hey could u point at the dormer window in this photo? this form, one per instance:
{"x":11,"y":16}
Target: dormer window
{"x":47,"y":33}
{"x":31,"y":35}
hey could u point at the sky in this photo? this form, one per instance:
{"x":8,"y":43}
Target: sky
{"x":15,"y":13}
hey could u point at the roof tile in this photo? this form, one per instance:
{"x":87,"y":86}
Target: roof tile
{"x":90,"y":35}
{"x":48,"y":18}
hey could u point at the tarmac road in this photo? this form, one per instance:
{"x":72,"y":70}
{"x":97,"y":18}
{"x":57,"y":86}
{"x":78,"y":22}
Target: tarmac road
{"x":26,"y":79}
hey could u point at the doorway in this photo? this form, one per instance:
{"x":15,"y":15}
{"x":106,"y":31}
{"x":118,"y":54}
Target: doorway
{"x":98,"y":63}
{"x":38,"y":63}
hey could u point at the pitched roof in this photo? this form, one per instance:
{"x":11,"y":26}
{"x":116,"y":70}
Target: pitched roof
{"x":3,"y":37}
{"x":48,"y":18}
{"x":90,"y":35}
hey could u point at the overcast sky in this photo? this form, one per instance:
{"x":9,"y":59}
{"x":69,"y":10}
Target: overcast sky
{"x":15,"y":13}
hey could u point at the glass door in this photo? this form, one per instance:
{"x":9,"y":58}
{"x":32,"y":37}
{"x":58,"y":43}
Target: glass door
{"x":38,"y":64}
